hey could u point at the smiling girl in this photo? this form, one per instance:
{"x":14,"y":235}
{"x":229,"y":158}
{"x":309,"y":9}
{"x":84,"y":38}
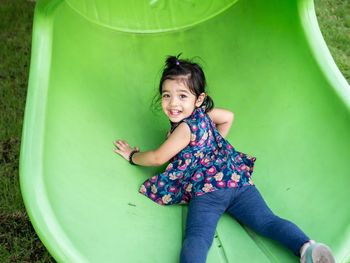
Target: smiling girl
{"x":207,"y":172}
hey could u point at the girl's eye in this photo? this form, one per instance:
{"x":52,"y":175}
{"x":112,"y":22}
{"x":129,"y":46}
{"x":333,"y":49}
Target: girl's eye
{"x":183,"y":96}
{"x":165,"y":96}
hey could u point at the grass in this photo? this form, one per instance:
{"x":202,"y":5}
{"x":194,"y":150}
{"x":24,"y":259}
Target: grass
{"x":334,"y":20}
{"x":18,"y":241}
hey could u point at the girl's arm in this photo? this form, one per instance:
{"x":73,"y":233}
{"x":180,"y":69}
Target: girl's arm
{"x":223,"y":120}
{"x":176,"y":141}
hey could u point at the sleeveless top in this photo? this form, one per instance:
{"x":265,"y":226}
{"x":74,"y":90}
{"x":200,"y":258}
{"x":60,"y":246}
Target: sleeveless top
{"x":206,"y":164}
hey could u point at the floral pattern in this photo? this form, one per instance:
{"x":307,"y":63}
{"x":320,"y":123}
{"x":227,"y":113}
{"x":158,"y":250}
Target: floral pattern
{"x":208,"y":163}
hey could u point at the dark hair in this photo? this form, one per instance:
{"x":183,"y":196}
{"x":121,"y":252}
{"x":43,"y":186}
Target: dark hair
{"x":190,"y":72}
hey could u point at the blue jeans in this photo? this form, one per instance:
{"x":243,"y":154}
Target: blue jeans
{"x":244,"y":204}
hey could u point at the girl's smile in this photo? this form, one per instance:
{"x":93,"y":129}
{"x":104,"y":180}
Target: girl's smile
{"x":178,"y":102}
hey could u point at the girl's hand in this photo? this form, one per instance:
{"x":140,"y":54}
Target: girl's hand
{"x":124,"y":149}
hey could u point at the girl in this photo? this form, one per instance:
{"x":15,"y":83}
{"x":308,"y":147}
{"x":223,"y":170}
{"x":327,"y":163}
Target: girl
{"x":205,"y":171}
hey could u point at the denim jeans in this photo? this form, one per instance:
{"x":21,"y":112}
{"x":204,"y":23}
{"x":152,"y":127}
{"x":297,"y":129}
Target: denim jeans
{"x":247,"y":206}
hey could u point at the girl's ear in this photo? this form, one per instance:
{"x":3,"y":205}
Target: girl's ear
{"x":200,"y":99}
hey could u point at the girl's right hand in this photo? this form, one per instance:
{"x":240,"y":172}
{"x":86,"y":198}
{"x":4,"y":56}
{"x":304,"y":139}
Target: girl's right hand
{"x":124,"y":149}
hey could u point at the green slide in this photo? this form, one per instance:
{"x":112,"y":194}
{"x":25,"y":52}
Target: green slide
{"x":95,"y":68}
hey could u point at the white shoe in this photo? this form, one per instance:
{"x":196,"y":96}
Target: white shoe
{"x":316,"y":253}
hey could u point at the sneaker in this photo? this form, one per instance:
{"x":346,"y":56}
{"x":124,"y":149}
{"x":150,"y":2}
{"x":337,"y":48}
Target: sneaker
{"x":317,"y":253}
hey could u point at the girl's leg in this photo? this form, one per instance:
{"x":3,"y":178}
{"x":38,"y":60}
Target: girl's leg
{"x":203,"y":214}
{"x":249,"y":208}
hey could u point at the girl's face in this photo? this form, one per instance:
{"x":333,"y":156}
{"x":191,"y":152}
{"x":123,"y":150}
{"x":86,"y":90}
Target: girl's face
{"x":178,"y":102}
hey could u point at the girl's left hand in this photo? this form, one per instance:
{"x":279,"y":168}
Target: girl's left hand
{"x":124,"y":149}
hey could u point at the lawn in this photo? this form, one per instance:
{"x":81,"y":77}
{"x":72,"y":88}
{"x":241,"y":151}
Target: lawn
{"x":18,"y":241}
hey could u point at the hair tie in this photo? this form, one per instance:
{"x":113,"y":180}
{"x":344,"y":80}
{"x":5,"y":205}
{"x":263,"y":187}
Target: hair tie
{"x":177,"y":62}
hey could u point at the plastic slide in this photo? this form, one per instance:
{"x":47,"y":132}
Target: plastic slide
{"x":94,"y":70}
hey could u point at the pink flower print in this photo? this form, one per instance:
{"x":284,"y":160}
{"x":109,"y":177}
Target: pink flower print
{"x":186,"y":198}
{"x":198,"y":176}
{"x":172,"y":176}
{"x":159,"y":201}
{"x":169,"y":167}
{"x":238,"y":158}
{"x":184,"y":166}
{"x":154,"y":189}
{"x":203,"y":124}
{"x":153,"y":179}
{"x":229,"y":146}
{"x":219,"y":176}
{"x":188,"y":155}
{"x":199,"y":154}
{"x":189,"y":188}
{"x":207,"y":188}
{"x":220,"y":144}
{"x":220,"y":184}
{"x":231,"y":184}
{"x":218,"y":161}
{"x":211,"y":170}
{"x":203,"y":139}
{"x":247,"y":174}
{"x":152,"y":196}
{"x":193,"y":139}
{"x":143,"y":189}
{"x":251,"y":158}
{"x":205,"y":161}
{"x":243,"y":167}
{"x":166,"y":199}
{"x":161,"y":184}
{"x":250,"y":181}
{"x":235,"y":177}
{"x":172,"y":189}
{"x":208,"y":179}
{"x":147,"y":184}
{"x":194,"y":128}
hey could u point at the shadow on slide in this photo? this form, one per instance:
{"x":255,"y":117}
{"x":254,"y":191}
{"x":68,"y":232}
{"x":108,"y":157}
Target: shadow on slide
{"x":95,"y":66}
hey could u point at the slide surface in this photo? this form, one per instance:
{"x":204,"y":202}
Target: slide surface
{"x":95,"y":68}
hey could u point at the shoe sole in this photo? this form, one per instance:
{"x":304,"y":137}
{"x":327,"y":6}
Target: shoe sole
{"x":320,"y":254}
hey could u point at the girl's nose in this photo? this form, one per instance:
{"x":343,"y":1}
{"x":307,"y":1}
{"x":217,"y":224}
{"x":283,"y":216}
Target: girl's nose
{"x":173,"y":101}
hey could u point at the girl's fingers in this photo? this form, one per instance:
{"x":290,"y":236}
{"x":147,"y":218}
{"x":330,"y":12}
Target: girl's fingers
{"x":118,"y":152}
{"x":123,"y":148}
{"x":121,"y":143}
{"x":121,"y":154}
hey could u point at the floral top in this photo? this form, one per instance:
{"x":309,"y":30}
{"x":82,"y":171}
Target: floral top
{"x":206,"y":164}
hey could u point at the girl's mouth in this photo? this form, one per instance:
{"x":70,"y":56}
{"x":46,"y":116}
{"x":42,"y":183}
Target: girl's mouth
{"x":174,"y":112}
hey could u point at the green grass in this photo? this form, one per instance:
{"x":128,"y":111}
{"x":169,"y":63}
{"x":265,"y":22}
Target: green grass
{"x":334,"y":20}
{"x":18,"y":241}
